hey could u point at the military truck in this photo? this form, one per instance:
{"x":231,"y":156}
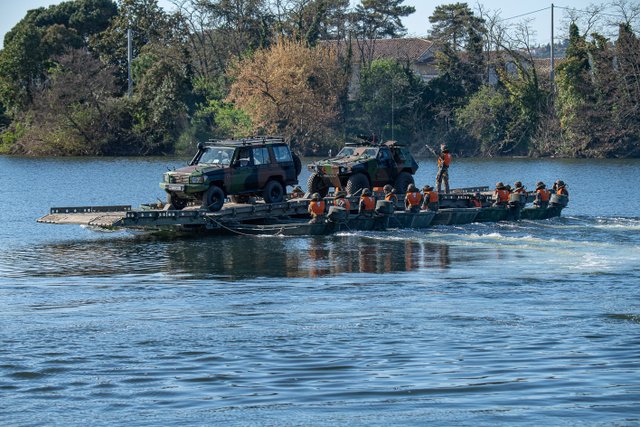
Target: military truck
{"x":364,"y":165}
{"x":260,"y":166}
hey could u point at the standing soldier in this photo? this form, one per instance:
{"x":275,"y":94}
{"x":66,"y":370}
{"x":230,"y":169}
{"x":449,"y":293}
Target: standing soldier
{"x":444,"y":160}
{"x":367,"y":203}
{"x":412,"y":199}
{"x":316,"y":208}
{"x":431,"y":199}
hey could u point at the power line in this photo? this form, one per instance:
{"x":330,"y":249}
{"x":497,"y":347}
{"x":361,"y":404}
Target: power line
{"x":589,"y":12}
{"x":525,"y":14}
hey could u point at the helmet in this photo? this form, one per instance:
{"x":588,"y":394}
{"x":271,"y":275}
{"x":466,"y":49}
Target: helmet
{"x":518,"y":184}
{"x":499,"y":185}
{"x":427,"y":188}
{"x":366,"y":192}
{"x":341,"y":193}
{"x":540,"y":184}
{"x":560,"y":183}
{"x":412,"y":187}
{"x":315,"y":196}
{"x":508,"y":187}
{"x":388,"y":188}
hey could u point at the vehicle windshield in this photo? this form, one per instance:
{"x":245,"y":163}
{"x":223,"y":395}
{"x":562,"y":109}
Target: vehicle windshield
{"x":217,"y":156}
{"x":358,"y":151}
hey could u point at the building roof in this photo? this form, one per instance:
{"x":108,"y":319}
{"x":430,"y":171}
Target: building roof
{"x":404,"y":49}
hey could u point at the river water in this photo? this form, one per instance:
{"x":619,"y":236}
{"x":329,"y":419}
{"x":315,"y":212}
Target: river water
{"x":532,"y":323}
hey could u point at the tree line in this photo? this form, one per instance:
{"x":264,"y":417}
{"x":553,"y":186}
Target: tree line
{"x":307,"y":70}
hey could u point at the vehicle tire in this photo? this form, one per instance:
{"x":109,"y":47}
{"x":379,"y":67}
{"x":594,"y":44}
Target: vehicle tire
{"x":356,"y":183}
{"x":213,"y":198}
{"x":297,"y":163}
{"x":273,"y":192}
{"x":402,"y":182}
{"x":315,"y":184}
{"x":178,"y":203}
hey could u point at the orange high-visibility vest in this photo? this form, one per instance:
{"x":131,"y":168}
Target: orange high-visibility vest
{"x":502,"y":196}
{"x":317,"y":207}
{"x":391,"y":198}
{"x":369,"y":203}
{"x":343,"y":203}
{"x":544,"y":194}
{"x":431,"y":196}
{"x":562,"y":192}
{"x":414,"y":199}
{"x":520,"y":190}
{"x":444,"y":159}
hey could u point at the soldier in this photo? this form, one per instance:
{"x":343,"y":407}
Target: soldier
{"x":561,"y":188}
{"x":297,"y":192}
{"x":390,"y":194}
{"x":542,"y":195}
{"x":316,"y":209}
{"x":367,"y":203}
{"x":519,"y":188}
{"x":412,"y":199}
{"x":431,"y":199}
{"x":476,"y":201}
{"x":444,"y":160}
{"x":341,"y":201}
{"x":500,"y":195}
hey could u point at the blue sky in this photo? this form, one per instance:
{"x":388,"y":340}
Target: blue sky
{"x":418,"y":24}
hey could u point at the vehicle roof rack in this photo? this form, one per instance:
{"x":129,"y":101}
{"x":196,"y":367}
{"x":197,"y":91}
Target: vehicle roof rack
{"x":250,"y":141}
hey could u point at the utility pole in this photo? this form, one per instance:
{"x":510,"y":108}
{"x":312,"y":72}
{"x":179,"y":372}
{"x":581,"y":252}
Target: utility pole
{"x":551,"y":72}
{"x":129,"y":59}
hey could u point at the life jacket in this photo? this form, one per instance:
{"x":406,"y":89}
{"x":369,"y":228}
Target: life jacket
{"x":369,"y":203}
{"x":543,"y":194}
{"x":444,"y":160}
{"x":391,"y":198}
{"x":431,"y":196}
{"x":317,"y":207}
{"x":413,"y":199}
{"x":502,"y":196}
{"x":562,"y":191}
{"x":476,"y":203}
{"x":520,"y":190}
{"x":343,"y":203}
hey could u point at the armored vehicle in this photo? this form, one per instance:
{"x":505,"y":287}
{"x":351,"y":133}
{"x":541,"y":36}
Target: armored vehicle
{"x":364,"y":165}
{"x":260,"y":166}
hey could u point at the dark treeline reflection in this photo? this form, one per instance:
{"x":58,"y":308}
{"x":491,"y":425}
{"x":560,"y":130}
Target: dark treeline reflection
{"x":231,"y":257}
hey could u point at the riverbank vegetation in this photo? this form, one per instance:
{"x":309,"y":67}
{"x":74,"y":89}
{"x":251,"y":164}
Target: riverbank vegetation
{"x":318,"y":72}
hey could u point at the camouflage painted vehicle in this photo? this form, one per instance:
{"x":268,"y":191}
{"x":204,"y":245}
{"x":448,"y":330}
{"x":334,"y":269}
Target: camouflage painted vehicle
{"x":367,"y":165}
{"x":261,"y":166}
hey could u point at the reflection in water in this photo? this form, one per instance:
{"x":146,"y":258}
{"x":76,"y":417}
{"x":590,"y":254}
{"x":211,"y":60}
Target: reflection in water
{"x":228,"y":257}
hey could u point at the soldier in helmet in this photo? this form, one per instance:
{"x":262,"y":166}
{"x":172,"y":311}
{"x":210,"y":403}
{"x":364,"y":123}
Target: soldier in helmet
{"x":412,"y":199}
{"x":341,"y":200}
{"x":541,"y":199}
{"x":316,"y":209}
{"x":297,"y":192}
{"x":561,"y":188}
{"x":444,"y":160}
{"x":367,"y":203}
{"x":518,"y":187}
{"x":517,"y":200}
{"x":431,"y":199}
{"x":390,"y":194}
{"x":500,"y":195}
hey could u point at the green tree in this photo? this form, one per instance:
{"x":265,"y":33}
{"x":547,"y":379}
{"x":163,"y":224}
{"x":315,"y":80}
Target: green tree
{"x":388,"y":94}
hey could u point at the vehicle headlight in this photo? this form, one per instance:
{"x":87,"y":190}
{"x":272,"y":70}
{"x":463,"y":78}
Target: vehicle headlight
{"x":196,"y":179}
{"x":167,"y":177}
